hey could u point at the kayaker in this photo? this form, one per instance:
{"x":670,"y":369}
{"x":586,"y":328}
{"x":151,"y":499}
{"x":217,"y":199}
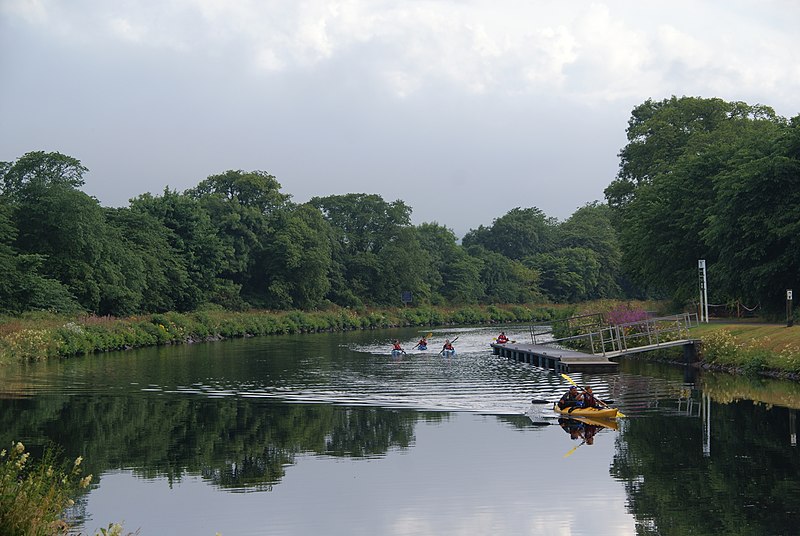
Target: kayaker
{"x":447,"y":346}
{"x":588,"y":399}
{"x":396,"y":347}
{"x":423,"y":344}
{"x":571,"y":398}
{"x":502,"y":339}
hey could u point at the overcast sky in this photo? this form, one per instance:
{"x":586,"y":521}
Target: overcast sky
{"x":462,"y":109}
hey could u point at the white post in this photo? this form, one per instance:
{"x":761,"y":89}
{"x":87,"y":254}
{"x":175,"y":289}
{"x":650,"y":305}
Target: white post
{"x":701,"y":265}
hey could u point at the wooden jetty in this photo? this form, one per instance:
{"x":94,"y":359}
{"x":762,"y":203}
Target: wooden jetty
{"x":605,"y":342}
{"x":557,"y":359}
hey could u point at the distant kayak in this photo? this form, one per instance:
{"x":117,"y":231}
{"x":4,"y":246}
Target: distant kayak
{"x":423,"y":347}
{"x":596,"y":413}
{"x":396,"y":353}
{"x":448,"y":353}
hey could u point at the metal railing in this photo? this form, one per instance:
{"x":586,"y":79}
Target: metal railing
{"x":600,"y":339}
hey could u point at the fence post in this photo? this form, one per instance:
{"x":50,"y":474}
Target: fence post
{"x":602,"y":342}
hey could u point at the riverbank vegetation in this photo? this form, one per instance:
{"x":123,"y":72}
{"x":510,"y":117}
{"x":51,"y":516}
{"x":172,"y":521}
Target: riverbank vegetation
{"x":753,"y":348}
{"x":41,"y":336}
{"x":35,"y":493}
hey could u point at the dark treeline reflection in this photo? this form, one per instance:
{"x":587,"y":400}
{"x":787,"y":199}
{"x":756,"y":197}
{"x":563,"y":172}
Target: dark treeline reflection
{"x":749,"y":484}
{"x":232,"y":442}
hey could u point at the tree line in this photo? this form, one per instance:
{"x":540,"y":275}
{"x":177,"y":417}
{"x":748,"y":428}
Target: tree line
{"x":698,"y":179}
{"x":238,"y":241}
{"x":714,"y":180}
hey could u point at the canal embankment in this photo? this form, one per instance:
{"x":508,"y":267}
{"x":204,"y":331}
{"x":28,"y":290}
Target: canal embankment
{"x":737,"y":347}
{"x":42,"y":336}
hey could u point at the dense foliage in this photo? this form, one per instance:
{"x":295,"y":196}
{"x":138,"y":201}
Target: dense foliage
{"x":698,"y":179}
{"x":237,"y":241}
{"x":714,"y":180}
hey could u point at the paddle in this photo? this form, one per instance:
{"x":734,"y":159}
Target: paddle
{"x":573,"y":449}
{"x":570,"y":380}
{"x":451,"y":342}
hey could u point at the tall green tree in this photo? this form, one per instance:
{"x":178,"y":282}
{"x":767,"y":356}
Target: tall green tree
{"x":375,"y":249}
{"x":754,"y":222}
{"x":61,"y":224}
{"x":455,"y":276}
{"x":38,"y":170}
{"x":23,"y":287}
{"x":569,"y":274}
{"x":297,"y":259}
{"x":241,"y":206}
{"x":516,"y":234}
{"x":674,"y":179}
{"x":192,"y":237}
{"x":505,"y":280}
{"x":590,"y":228}
{"x":156,"y":276}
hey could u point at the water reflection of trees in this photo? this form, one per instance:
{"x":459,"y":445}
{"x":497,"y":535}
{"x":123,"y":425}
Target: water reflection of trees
{"x":232,"y":442}
{"x":748,"y":485}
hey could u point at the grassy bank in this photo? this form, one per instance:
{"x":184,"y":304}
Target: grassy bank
{"x":740,"y":347}
{"x":771,"y":349}
{"x":41,"y":336}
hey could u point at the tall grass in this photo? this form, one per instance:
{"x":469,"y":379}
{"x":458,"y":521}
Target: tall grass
{"x":33,"y":496}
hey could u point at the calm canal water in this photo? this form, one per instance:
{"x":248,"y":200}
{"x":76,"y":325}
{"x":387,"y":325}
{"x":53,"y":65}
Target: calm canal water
{"x":328,"y":434}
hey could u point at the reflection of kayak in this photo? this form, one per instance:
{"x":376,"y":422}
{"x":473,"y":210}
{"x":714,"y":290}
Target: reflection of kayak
{"x":448,"y":353}
{"x":596,"y":413}
{"x":423,"y":347}
{"x":605,"y":423}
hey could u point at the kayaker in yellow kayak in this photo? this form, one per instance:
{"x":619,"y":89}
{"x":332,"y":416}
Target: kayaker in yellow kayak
{"x":588,"y":399}
{"x":571,"y":398}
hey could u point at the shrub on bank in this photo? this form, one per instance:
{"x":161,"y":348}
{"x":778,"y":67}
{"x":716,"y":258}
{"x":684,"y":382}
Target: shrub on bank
{"x":33,"y":496}
{"x":721,"y":347}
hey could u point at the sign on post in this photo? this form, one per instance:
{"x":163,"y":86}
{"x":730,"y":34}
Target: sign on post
{"x":406,"y":297}
{"x":789,"y":314}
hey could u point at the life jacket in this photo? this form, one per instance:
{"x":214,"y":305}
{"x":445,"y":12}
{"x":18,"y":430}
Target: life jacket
{"x":568,"y":399}
{"x":448,"y":346}
{"x":502,"y":339}
{"x":397,"y":346}
{"x":589,"y":401}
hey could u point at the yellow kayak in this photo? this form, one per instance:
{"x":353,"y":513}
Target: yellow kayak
{"x":592,"y":413}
